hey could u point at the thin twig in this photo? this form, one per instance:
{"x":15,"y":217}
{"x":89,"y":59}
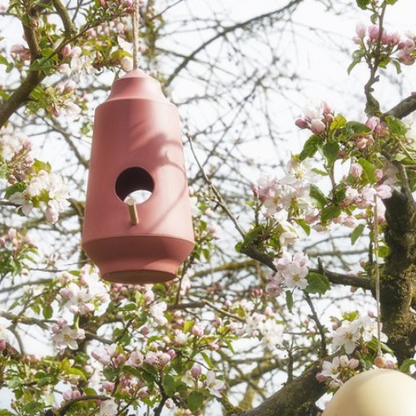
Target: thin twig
{"x":220,"y":199}
{"x":320,"y":327}
{"x":203,"y":303}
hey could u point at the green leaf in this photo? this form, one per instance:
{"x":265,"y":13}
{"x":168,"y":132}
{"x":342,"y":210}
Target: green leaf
{"x":76,"y":372}
{"x":352,"y":65}
{"x":289,"y":300}
{"x":369,"y":170}
{"x":168,"y":384}
{"x":128,"y":307}
{"x":338,"y":122}
{"x":317,"y":283}
{"x":195,"y":401}
{"x":354,"y":127}
{"x":253,"y":234}
{"x":17,"y":187}
{"x":302,"y":223}
{"x":396,"y":126}
{"x":355,"y":235}
{"x":47,"y":312}
{"x":3,"y":60}
{"x":362,"y":4}
{"x":317,"y":195}
{"x":44,"y":65}
{"x":310,"y":147}
{"x":187,"y":326}
{"x":3,"y":169}
{"x":38,"y":165}
{"x":332,"y":211}
{"x":110,"y":373}
{"x":319,"y":172}
{"x":406,"y":364}
{"x":331,"y":151}
{"x":207,"y":360}
{"x":383,"y":251}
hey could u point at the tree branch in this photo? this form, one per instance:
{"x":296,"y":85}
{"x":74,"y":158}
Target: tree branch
{"x":62,"y":11}
{"x":404,"y":108}
{"x":68,"y":405}
{"x":296,"y":398}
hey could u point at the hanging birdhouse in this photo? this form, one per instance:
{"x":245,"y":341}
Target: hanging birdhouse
{"x":375,"y":393}
{"x":137,"y":225}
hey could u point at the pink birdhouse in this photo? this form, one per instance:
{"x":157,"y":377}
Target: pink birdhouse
{"x":136,"y":150}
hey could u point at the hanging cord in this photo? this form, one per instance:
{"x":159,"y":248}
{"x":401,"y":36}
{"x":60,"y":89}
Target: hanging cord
{"x":377,"y":276}
{"x":136,"y":38}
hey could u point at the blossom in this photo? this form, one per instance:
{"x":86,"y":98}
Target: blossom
{"x":196,"y":371}
{"x":181,"y":338}
{"x":126,"y":63}
{"x":12,"y":143}
{"x":108,"y":408}
{"x":347,"y":337}
{"x":369,"y":329}
{"x":293,"y":269}
{"x":360,"y":30}
{"x":356,"y":170}
{"x":214,"y":386}
{"x":384,"y":191}
{"x":135,"y":359}
{"x":299,"y":172}
{"x":65,"y":336}
{"x":318,"y":126}
{"x":272,"y":334}
{"x":157,"y":311}
{"x":317,"y":115}
{"x":105,"y":355}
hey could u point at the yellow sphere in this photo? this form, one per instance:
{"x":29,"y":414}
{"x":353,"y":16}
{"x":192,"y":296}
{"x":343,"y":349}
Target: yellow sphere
{"x":375,"y":393}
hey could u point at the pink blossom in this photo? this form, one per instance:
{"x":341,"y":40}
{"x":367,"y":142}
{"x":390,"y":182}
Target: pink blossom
{"x":135,"y":359}
{"x":108,"y":386}
{"x":149,"y":296}
{"x":172,"y":354}
{"x":384,"y":191}
{"x":360,"y":30}
{"x":76,"y":52}
{"x":196,"y":371}
{"x":356,"y":170}
{"x":317,"y":126}
{"x":157,"y":311}
{"x":215,"y":386}
{"x":302,"y":124}
{"x":181,"y":338}
{"x":373,"y":32}
{"x":126,"y":63}
{"x":379,"y":174}
{"x":197,"y":330}
{"x":320,"y":378}
{"x":169,"y":403}
{"x":20,"y":51}
{"x":66,"y":50}
{"x":293,"y":269}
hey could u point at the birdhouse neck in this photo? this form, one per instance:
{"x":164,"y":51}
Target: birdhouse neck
{"x":137,"y":85}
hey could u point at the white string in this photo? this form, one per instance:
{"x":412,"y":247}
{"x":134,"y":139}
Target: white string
{"x":136,"y":39}
{"x":377,"y":276}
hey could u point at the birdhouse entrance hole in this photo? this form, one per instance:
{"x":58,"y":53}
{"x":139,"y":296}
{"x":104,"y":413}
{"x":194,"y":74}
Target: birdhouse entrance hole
{"x":134,"y":183}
